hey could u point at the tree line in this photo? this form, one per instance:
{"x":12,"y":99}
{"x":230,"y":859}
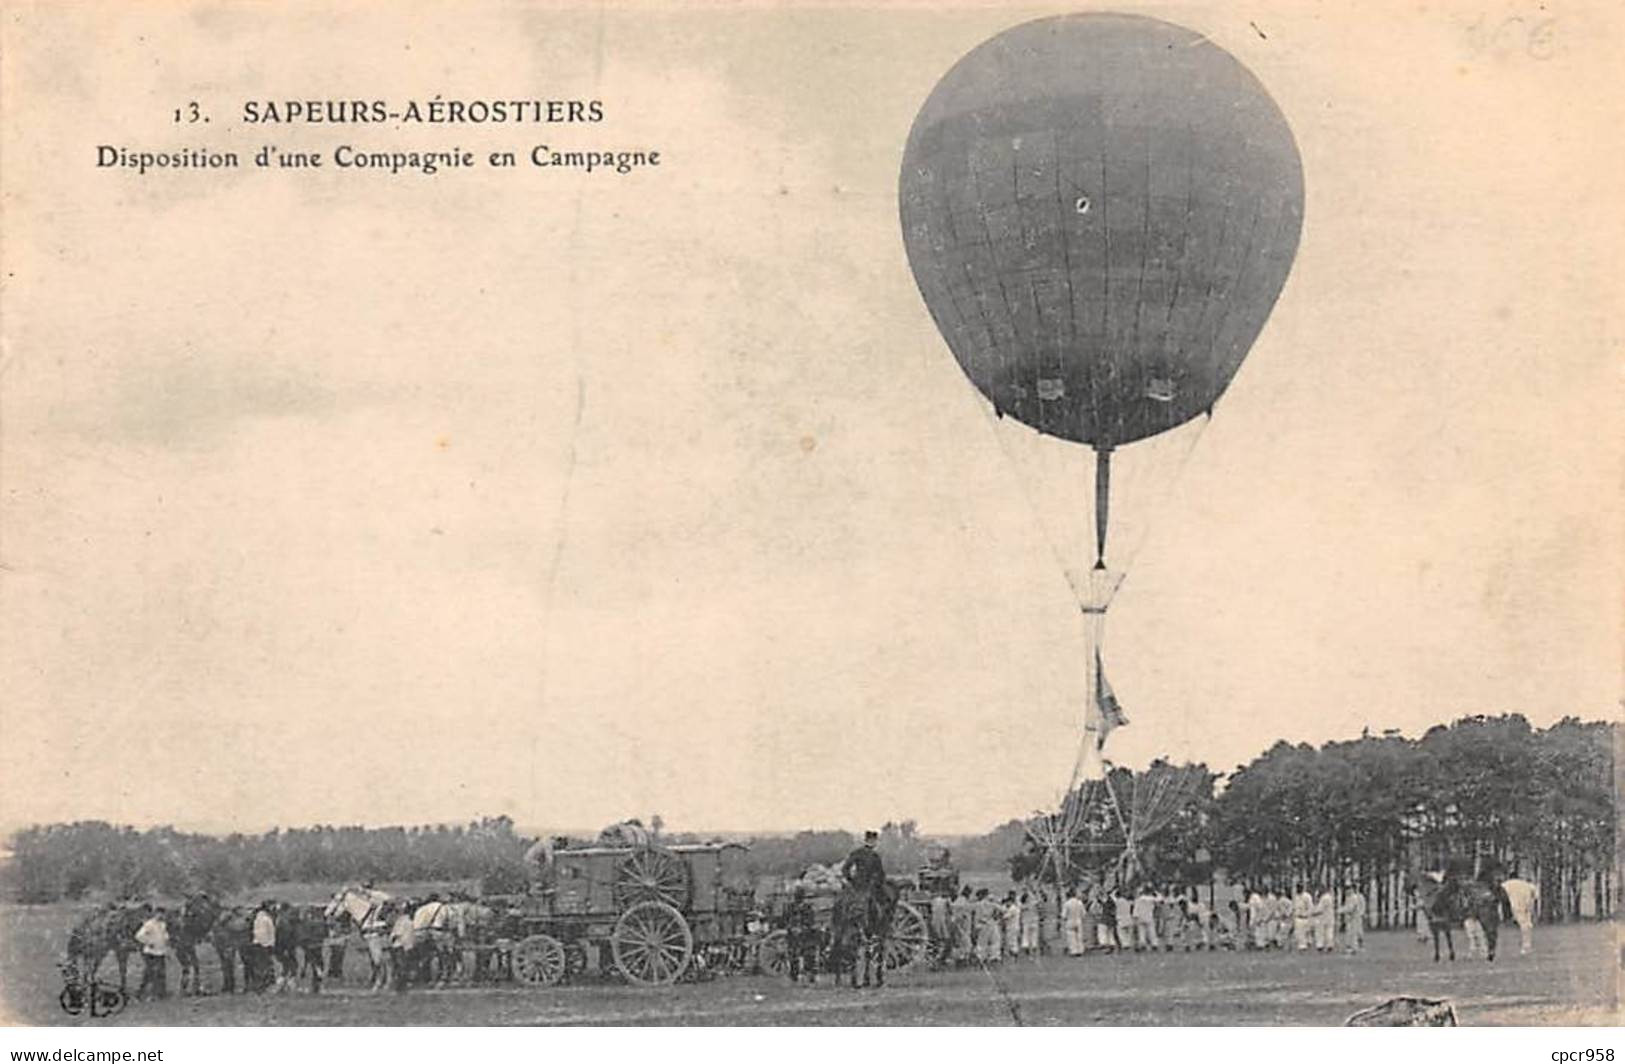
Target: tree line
{"x":1369,"y":812}
{"x":1479,"y":794}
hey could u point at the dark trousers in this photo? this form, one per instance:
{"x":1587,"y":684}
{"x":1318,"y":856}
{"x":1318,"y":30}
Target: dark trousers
{"x":155,"y":977}
{"x":400,"y":962}
{"x":803,"y":947}
{"x":257,"y":967}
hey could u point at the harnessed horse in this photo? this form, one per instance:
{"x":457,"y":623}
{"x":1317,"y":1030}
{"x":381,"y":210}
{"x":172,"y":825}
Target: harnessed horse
{"x":363,"y":910}
{"x":231,"y":936}
{"x":110,"y":930}
{"x":1449,"y":902}
{"x":862,"y":923}
{"x":301,"y":934}
{"x":191,"y":926}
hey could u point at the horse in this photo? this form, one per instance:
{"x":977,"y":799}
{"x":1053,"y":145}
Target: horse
{"x":231,"y":936}
{"x":442,"y":926}
{"x":110,"y":929}
{"x":861,"y":926}
{"x":228,"y":931}
{"x":1449,"y":902}
{"x":192,"y":924}
{"x":301,"y":935}
{"x":474,"y":927}
{"x":366,"y":911}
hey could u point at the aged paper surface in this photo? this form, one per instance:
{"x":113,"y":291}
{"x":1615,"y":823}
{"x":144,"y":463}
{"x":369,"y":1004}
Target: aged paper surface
{"x":334,"y":491}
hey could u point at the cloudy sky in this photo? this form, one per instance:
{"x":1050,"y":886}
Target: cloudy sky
{"x":336,"y":497}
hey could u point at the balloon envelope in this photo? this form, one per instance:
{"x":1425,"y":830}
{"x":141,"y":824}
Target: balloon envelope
{"x":1100,"y":211}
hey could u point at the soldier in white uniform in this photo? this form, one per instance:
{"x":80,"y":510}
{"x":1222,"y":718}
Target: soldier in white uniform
{"x":1072,"y":921}
{"x":261,"y":946}
{"x":1303,"y":907}
{"x":1524,"y":899}
{"x":1325,"y":921}
{"x":1125,"y":920}
{"x":1353,"y":913}
{"x":1145,"y":920}
{"x":153,"y":938}
{"x":1283,"y":920}
{"x":1202,"y":919}
{"x":1258,"y":919}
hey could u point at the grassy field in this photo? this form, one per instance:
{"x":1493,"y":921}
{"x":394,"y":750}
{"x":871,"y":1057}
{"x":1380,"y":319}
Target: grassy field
{"x":1570,"y":979}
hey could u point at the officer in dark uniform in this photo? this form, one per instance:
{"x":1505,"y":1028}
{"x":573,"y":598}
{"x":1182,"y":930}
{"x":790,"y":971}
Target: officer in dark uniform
{"x":862,"y":867}
{"x":801,"y":932}
{"x":864,"y":872}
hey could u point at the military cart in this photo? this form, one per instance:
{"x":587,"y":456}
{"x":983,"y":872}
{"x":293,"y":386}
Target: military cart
{"x":906,"y":946}
{"x":651,"y":914}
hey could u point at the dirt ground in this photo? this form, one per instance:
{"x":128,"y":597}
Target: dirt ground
{"x":1571,"y":978}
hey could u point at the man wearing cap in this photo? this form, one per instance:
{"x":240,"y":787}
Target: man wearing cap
{"x":864,"y":871}
{"x":862,"y":867}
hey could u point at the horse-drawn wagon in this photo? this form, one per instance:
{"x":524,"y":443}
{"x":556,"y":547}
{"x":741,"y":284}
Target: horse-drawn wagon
{"x":907,"y":937}
{"x":648,"y":912}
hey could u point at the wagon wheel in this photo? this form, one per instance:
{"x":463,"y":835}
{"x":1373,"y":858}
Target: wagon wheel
{"x":539,"y":961}
{"x":651,"y":874}
{"x":773,"y":954}
{"x":910,"y":938}
{"x":652,"y":944}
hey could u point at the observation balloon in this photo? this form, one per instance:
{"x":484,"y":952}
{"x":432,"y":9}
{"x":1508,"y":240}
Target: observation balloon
{"x":1100,"y":211}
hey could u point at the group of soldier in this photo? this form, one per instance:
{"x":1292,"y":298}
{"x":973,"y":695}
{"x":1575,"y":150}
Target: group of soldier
{"x":975,"y":927}
{"x":406,"y":940}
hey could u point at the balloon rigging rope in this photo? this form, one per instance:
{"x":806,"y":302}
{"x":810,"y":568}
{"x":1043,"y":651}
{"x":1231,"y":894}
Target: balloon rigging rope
{"x":1014,"y":469}
{"x":1149,"y":491}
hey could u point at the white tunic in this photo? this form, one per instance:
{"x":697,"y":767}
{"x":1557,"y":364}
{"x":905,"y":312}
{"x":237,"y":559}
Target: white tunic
{"x":1522,"y":896}
{"x":264,"y":929}
{"x":154,"y":937}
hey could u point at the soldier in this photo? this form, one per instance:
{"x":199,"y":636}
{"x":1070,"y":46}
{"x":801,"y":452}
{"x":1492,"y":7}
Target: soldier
{"x":989,"y":913}
{"x":1145,"y":920}
{"x":261,"y":946}
{"x":801,"y":937}
{"x":864,"y":871}
{"x":1104,"y":908}
{"x":942,"y":929}
{"x":1201,"y":921}
{"x":863,"y":867}
{"x":1259,"y":907}
{"x":403,"y":942}
{"x":153,"y":936}
{"x":1123,"y":901}
{"x":1303,"y":909}
{"x":1325,"y":919}
{"x":1283,"y":920}
{"x":1353,"y":913}
{"x":963,"y":910}
{"x":1072,"y":920}
{"x":1029,"y":924}
{"x":1523,"y":897}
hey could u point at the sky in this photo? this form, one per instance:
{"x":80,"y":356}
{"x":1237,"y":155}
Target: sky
{"x":341,"y":498}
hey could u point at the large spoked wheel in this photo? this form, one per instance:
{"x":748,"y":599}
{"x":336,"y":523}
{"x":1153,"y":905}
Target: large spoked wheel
{"x":539,"y":961}
{"x":773,"y":954}
{"x":651,"y":874}
{"x":910,"y":938}
{"x":652,"y":944}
